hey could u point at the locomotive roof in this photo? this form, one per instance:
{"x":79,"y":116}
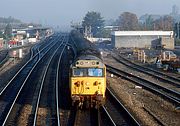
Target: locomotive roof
{"x":88,"y":61}
{"x":88,"y":57}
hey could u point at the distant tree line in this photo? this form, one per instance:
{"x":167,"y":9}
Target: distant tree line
{"x":8,"y":31}
{"x":7,"y":24}
{"x":9,"y":20}
{"x":126,"y":21}
{"x":15,"y":23}
{"x":129,"y":21}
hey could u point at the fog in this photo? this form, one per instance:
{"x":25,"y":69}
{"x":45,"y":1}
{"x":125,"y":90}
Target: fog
{"x":62,"y":12}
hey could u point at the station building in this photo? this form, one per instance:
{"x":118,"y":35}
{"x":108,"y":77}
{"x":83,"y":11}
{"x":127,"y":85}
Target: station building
{"x":33,"y":34}
{"x":142,"y":39}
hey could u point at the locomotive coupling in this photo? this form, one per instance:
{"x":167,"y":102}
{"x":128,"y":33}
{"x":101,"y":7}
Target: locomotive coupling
{"x":75,"y":98}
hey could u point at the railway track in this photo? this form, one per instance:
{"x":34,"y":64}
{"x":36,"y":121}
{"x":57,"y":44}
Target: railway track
{"x":3,"y":57}
{"x":37,"y":47}
{"x":116,"y":112}
{"x":12,"y":91}
{"x":81,"y":117}
{"x":169,"y":94}
{"x":88,"y":117}
{"x":111,"y":114}
{"x":27,"y":66}
{"x":149,"y":71}
{"x":47,"y":96}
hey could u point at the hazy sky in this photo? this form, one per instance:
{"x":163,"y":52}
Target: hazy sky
{"x":62,"y":12}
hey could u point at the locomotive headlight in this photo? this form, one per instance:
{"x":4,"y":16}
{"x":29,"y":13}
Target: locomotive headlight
{"x":87,"y":84}
{"x":93,"y":63}
{"x":81,"y":63}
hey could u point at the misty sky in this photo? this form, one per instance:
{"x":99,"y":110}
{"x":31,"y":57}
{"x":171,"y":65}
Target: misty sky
{"x":62,"y":12}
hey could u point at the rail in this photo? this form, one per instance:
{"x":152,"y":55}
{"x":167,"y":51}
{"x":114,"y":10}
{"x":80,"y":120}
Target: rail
{"x":117,"y":112}
{"x":26,"y":78}
{"x":169,"y":94}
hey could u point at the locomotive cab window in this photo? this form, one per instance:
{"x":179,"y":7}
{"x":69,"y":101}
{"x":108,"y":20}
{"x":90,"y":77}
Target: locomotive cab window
{"x":79,"y":72}
{"x":95,"y":72}
{"x":88,"y":72}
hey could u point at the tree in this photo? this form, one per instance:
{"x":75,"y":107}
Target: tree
{"x":148,"y":25}
{"x":164,"y":23}
{"x":8,"y":31}
{"x":9,"y":20}
{"x":128,"y":21}
{"x":1,"y":34}
{"x":95,"y":21}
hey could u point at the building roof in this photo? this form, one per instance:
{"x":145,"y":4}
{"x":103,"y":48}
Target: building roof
{"x":142,"y":33}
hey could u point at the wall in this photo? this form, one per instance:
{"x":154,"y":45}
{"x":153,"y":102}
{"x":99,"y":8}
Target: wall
{"x":133,"y":41}
{"x":142,"y":41}
{"x":167,"y":42}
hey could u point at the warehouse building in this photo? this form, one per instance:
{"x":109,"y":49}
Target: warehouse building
{"x":142,"y":39}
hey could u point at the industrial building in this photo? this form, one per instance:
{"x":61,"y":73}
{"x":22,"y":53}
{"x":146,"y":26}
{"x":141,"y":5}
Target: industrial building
{"x":142,"y":39}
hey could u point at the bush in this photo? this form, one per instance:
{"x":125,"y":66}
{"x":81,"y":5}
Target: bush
{"x":177,"y":42}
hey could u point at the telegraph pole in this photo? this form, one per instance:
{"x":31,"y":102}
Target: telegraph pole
{"x":178,"y":24}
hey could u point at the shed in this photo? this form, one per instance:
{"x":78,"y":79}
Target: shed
{"x":141,"y":39}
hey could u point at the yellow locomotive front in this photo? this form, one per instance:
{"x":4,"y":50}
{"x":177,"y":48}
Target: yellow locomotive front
{"x":88,"y":82}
